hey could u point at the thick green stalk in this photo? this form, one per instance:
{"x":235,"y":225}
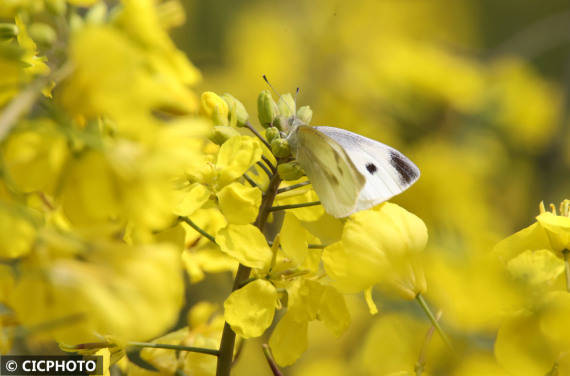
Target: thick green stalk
{"x":226,"y":351}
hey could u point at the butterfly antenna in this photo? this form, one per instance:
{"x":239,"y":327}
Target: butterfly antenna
{"x":279,"y":95}
{"x":296,"y":95}
{"x":270,"y":86}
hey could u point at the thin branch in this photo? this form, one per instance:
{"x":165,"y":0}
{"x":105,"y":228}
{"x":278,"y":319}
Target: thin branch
{"x":294,"y":206}
{"x":420,"y":365}
{"x":200,"y":350}
{"x":267,"y":352}
{"x":197,"y":228}
{"x":268,"y":162}
{"x":257,"y":134}
{"x":251,"y":181}
{"x":433,"y":320}
{"x":317,"y":246}
{"x":294,"y":186}
{"x":265,"y":169}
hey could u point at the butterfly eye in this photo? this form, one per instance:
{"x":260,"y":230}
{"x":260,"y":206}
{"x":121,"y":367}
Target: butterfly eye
{"x":371,"y":167}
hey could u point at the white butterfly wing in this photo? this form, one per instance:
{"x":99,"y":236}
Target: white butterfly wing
{"x":387,"y":171}
{"x":331,"y":171}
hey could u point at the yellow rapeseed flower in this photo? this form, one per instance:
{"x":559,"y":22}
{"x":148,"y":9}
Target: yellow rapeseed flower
{"x":380,"y":246}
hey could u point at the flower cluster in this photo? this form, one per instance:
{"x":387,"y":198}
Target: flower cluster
{"x":121,"y":190}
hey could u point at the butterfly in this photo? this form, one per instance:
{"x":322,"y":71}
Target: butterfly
{"x":350,"y":172}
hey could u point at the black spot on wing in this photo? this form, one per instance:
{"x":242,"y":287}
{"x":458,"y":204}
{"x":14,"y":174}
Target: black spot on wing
{"x":406,"y":171}
{"x":371,"y":167}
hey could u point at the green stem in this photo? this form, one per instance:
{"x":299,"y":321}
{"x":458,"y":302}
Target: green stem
{"x":274,"y":369}
{"x":317,"y":246}
{"x":174,"y":347}
{"x":257,"y":134}
{"x":268,"y":162}
{"x":265,"y":169}
{"x":294,"y":206}
{"x":251,"y":181}
{"x":226,"y":352}
{"x":567,"y":268}
{"x":294,"y":186}
{"x":433,"y":320}
{"x":197,"y":228}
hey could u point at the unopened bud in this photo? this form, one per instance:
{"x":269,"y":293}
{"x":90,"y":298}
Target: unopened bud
{"x":8,"y":30}
{"x":305,"y":114}
{"x":286,"y":105}
{"x":57,"y":7}
{"x":237,"y":109}
{"x":267,"y":109}
{"x":290,"y":171}
{"x":214,"y":107}
{"x":42,"y":33}
{"x":272,"y":133}
{"x":222,"y":133}
{"x":280,"y":148}
{"x":97,"y":14}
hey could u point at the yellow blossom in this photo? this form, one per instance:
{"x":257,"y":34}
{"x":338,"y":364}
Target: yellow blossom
{"x":34,"y":155}
{"x":239,"y":203}
{"x":113,"y":289}
{"x":250,"y":309}
{"x":235,"y":157}
{"x":379,"y":246}
{"x":214,"y":107}
{"x":246,"y":244}
{"x":17,"y":231}
{"x":294,"y":239}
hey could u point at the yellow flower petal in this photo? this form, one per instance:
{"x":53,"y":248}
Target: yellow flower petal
{"x":33,"y":158}
{"x":239,"y":203}
{"x":246,"y":244}
{"x":333,"y":311}
{"x":557,"y":229}
{"x":250,"y":309}
{"x":522,"y":349}
{"x":293,"y":238}
{"x":192,"y":199}
{"x":555,"y":319}
{"x":17,"y":234}
{"x":235,"y":157}
{"x":537,"y":268}
{"x":288,"y":340}
{"x":532,"y":237}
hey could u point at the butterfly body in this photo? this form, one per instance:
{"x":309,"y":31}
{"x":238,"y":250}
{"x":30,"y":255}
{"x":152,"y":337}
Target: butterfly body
{"x":350,"y":172}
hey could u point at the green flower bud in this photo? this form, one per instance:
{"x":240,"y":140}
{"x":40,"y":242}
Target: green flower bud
{"x":290,"y":171}
{"x":222,"y":133}
{"x":8,"y":30}
{"x":214,"y":107}
{"x":280,"y":148}
{"x":272,"y":133}
{"x":97,"y":14}
{"x":56,"y":7}
{"x":267,"y":109}
{"x":305,"y":114}
{"x":43,"y":33}
{"x":286,"y":105}
{"x":237,"y":110}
